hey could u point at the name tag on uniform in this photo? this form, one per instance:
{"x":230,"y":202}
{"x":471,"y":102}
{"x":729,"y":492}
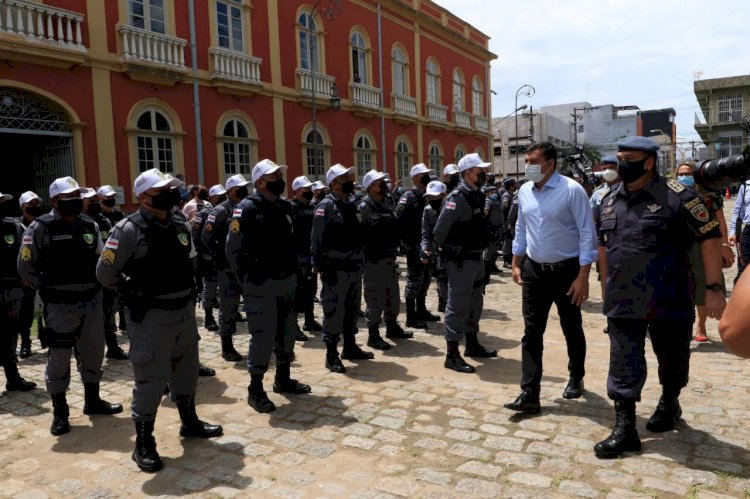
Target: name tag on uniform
{"x":62,"y":237}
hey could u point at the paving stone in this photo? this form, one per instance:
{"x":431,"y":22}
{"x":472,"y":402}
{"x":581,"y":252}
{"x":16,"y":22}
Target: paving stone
{"x":257,"y":450}
{"x":361,"y":429}
{"x":536,"y":425}
{"x":194,"y":483}
{"x":463,"y":435}
{"x":517,"y":459}
{"x":479,"y":469}
{"x":693,"y":477}
{"x":641,"y":467}
{"x":299,"y":479}
{"x":400,"y":486}
{"x":359,"y":442}
{"x":531,"y":435}
{"x":664,"y":486}
{"x":504,"y":443}
{"x":469,"y":451}
{"x":530,"y":479}
{"x":287,"y":492}
{"x":493,"y":429}
{"x":547,"y":449}
{"x":424,"y":398}
{"x":478,"y":488}
{"x":428,"y":429}
{"x":432,"y":476}
{"x":388,"y":422}
{"x":396,"y":413}
{"x":612,"y":477}
{"x":718,"y":465}
{"x":558,"y":466}
{"x":290,"y":440}
{"x":431,"y":444}
{"x":455,"y":412}
{"x":317,"y":450}
{"x":579,"y":489}
{"x":463,"y":424}
{"x":395,"y":393}
{"x":575,"y":442}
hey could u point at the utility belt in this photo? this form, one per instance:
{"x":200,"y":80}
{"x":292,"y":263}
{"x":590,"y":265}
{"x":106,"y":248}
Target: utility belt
{"x":374,"y":256}
{"x":453,"y":254}
{"x":554,"y":267}
{"x":343,"y":265}
{"x":139,"y":304}
{"x":67,"y":297}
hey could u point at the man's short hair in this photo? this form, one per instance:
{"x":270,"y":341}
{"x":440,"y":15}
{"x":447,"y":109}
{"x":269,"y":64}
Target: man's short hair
{"x":548,"y":150}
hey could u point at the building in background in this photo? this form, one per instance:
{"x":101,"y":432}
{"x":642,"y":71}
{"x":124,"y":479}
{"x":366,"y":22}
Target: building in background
{"x":103,"y":90}
{"x":725,"y":103}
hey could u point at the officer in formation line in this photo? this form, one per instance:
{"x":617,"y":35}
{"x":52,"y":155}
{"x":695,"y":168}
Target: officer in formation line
{"x":506,"y":201}
{"x":260,"y":250}
{"x":304,"y":296}
{"x":461,"y":235}
{"x":451,"y":177}
{"x":337,"y":254}
{"x":206,"y":279}
{"x":58,"y":256}
{"x":148,"y":260}
{"x":11,"y":294}
{"x":31,"y":208}
{"x":435,"y":194}
{"x":493,"y":211}
{"x":108,"y":202}
{"x":380,"y":239}
{"x":213,"y":238}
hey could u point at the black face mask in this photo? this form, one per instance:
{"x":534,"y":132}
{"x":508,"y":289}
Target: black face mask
{"x":109,"y":203}
{"x":70,"y":207}
{"x":630,"y":171}
{"x":307,"y":195}
{"x":162,"y":201}
{"x":203,"y":195}
{"x":347,"y":187}
{"x":276,"y":187}
{"x":320,"y":195}
{"x":33,"y":211}
{"x":436,"y":203}
{"x":424,"y":180}
{"x":241,"y":192}
{"x":452,"y":183}
{"x":94,"y":209}
{"x":176,"y":197}
{"x":481,"y":179}
{"x":221,"y":199}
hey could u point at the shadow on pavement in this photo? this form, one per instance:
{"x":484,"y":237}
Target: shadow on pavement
{"x":111,"y":433}
{"x":299,"y":414}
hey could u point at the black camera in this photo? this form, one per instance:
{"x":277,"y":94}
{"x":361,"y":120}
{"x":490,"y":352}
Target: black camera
{"x":716,"y":174}
{"x":578,"y":165}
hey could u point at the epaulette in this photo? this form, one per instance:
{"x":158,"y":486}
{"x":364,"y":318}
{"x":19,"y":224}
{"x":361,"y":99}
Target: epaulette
{"x":675,"y":185}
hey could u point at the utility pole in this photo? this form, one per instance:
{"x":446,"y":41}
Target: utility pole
{"x":531,"y":123}
{"x":576,"y":116}
{"x":692,"y":149}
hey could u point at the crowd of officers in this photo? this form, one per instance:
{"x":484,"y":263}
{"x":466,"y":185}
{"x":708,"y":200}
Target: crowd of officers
{"x":245,"y":242}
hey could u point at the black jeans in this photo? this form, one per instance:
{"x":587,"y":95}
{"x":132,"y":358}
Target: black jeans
{"x":542,"y":288}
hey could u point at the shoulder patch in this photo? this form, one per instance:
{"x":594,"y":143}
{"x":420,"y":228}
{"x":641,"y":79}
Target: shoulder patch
{"x":28,"y":240}
{"x":403,"y":200}
{"x":236,"y":213}
{"x":675,"y":185}
{"x":234,"y":227}
{"x":108,"y":257}
{"x":450,"y":205}
{"x":25,"y":254}
{"x":211,"y":218}
{"x":112,"y":244}
{"x":319,"y":212}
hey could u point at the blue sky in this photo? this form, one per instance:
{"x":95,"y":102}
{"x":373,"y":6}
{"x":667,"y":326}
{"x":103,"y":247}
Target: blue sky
{"x":621,"y":52}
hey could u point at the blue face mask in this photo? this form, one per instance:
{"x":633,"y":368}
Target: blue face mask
{"x":686,"y":180}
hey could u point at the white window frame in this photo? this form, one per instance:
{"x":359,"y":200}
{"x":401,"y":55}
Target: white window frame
{"x":308,"y":26}
{"x":314,"y":171}
{"x":155,"y":148}
{"x":435,"y":157}
{"x":359,"y":58}
{"x":364,"y":154}
{"x":478,"y":97}
{"x":233,"y":42}
{"x":432,"y":82}
{"x":459,"y":89}
{"x":403,"y":160}
{"x":148,"y":8}
{"x":400,"y":72}
{"x":729,"y":146}
{"x":729,"y":108}
{"x":237,"y":147}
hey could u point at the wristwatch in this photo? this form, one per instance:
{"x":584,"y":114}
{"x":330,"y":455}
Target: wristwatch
{"x":715,"y":287}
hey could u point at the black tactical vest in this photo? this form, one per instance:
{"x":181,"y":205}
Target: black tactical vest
{"x":70,"y":255}
{"x":344,"y":232}
{"x":381,"y":236}
{"x":9,"y":248}
{"x":270,"y":250}
{"x":472,"y":234}
{"x":303,"y":222}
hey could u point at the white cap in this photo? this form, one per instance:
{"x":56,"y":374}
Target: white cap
{"x":450,"y":169}
{"x":27,"y":197}
{"x":153,"y":179}
{"x":216,"y":190}
{"x":472,"y":161}
{"x":371,"y":177}
{"x":301,"y":183}
{"x":419,"y":170}
{"x":266,"y":167}
{"x":87,"y":192}
{"x":336,"y":171}
{"x":236,"y":181}
{"x":318,"y":185}
{"x":106,"y":191}
{"x":64,"y":185}
{"x":5,"y":197}
{"x":435,"y":188}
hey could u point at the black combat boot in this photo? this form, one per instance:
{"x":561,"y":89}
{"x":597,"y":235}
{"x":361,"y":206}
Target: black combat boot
{"x":412,"y":320}
{"x":624,"y":437}
{"x":95,"y":405}
{"x":144,"y":454}
{"x":14,"y":382}
{"x":527,"y":402}
{"x":60,"y":414}
{"x":394,"y":331}
{"x":374,"y":339}
{"x":25,"y":351}
{"x":574,"y":388}
{"x":474,"y":349}
{"x":210,"y":322}
{"x":300,"y":335}
{"x":441,"y":305}
{"x":206,"y":371}
{"x":423,"y":314}
{"x":283,"y":382}
{"x":257,"y":397}
{"x":454,"y":361}
{"x":191,"y":425}
{"x":228,"y":352}
{"x":333,"y":361}
{"x":667,"y":413}
{"x":352,"y":351}
{"x":310,"y":323}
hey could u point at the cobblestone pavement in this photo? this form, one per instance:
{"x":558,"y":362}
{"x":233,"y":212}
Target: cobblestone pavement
{"x":398,"y":426}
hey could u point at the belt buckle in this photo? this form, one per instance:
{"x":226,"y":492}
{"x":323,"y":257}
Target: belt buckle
{"x":549,"y":267}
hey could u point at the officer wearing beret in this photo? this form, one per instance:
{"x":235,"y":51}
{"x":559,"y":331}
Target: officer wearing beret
{"x":260,"y":249}
{"x":148,"y":260}
{"x":31,"y":208}
{"x":611,"y":179}
{"x":646,"y":229}
{"x":338,"y":254}
{"x":461,"y":236}
{"x":380,"y":229}
{"x":58,"y":256}
{"x":11,"y":293}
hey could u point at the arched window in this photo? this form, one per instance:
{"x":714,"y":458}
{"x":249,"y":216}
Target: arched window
{"x":238,"y":148}
{"x":308,"y":42}
{"x":460,"y":153}
{"x":400,"y":81}
{"x":433,"y":82}
{"x":364,"y":155}
{"x":477,"y":97}
{"x":458,"y":91}
{"x":154,"y":142}
{"x":359,"y":59}
{"x":229,"y":24}
{"x":403,"y":161}
{"x":148,"y":15}
{"x":435,"y":157}
{"x":315,"y":153}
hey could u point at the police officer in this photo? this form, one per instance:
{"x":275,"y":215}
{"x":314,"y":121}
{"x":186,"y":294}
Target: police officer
{"x":304,"y":296}
{"x":461,"y":235}
{"x":319,"y":192}
{"x":58,"y":256}
{"x":92,"y":208}
{"x":609,"y":174}
{"x":214,"y":238}
{"x":647,"y":227}
{"x":451,"y":177}
{"x":108,"y":201}
{"x":506,"y":201}
{"x":11,"y":294}
{"x":148,"y":259}
{"x":493,"y":210}
{"x":435,"y":194}
{"x":337,"y":253}
{"x":380,"y":229}
{"x":409,"y":212}
{"x":31,"y":208}
{"x":260,"y":249}
{"x":206,"y":277}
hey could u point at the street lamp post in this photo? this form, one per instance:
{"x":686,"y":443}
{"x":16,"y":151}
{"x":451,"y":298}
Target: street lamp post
{"x":529,"y":91}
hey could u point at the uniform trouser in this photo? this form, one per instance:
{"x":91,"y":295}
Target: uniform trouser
{"x":417,"y":276}
{"x":338,"y":297}
{"x":109,"y":308}
{"x":10,"y":304}
{"x":382,"y":296}
{"x":465,"y":298}
{"x":743,"y":259}
{"x":26,"y":314}
{"x":271,"y":321}
{"x":163,"y":349}
{"x":542,"y":288}
{"x":627,"y":361}
{"x":492,"y":247}
{"x":79,"y":326}
{"x":230,"y":290}
{"x":304,"y":294}
{"x":441,"y":275}
{"x":508,"y":247}
{"x":210,"y":287}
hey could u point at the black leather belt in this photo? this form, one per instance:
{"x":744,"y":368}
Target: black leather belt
{"x":551,"y":267}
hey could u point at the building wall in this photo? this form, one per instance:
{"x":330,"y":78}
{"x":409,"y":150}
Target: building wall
{"x":723,"y":136}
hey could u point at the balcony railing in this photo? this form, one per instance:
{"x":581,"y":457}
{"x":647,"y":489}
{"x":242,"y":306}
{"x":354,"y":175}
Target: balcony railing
{"x":437,"y":112}
{"x":481,"y":123}
{"x":42,"y":24}
{"x":321,"y":82}
{"x":365,"y":95}
{"x":142,"y":46}
{"x":462,"y":119}
{"x":234,"y":66}
{"x":404,"y":105}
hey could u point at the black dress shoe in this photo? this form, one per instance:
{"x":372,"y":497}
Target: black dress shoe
{"x":479,"y":352}
{"x":260,"y":402}
{"x":574,"y":389}
{"x":313,"y":326}
{"x":414,"y":322}
{"x":527,"y":402}
{"x":116,"y":353}
{"x":290,"y":385}
{"x":25,"y":352}
{"x":300,"y":336}
{"x":206,"y":371}
{"x":333,"y":364}
{"x":240,"y":318}
{"x":200,"y":429}
{"x":101,"y":407}
{"x":455,"y":362}
{"x":356,"y":353}
{"x":19,"y":385}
